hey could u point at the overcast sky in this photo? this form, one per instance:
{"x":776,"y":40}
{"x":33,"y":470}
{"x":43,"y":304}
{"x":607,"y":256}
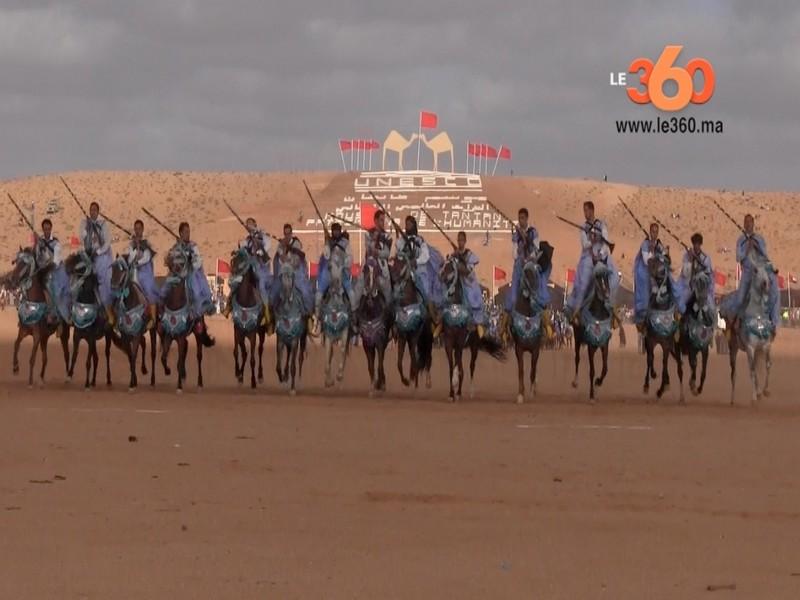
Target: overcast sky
{"x":267,"y":85}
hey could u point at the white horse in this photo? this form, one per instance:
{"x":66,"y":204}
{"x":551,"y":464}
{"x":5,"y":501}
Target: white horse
{"x":335,"y":317}
{"x":755,"y":331}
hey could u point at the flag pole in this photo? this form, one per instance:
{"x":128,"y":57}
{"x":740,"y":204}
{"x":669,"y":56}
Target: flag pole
{"x":351,"y":154}
{"x":497,"y":160}
{"x":341,"y":153}
{"x":480,"y":157}
{"x":370,"y":155}
{"x":467,"y":168}
{"x":419,"y":138}
{"x":493,"y":277}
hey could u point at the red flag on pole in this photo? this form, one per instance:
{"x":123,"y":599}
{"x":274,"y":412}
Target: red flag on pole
{"x":491,"y":152}
{"x":223,"y":268}
{"x":74,"y":242}
{"x":368,"y":215}
{"x":345,"y":145}
{"x":313,"y":269}
{"x":499,"y":274}
{"x":570,"y":275}
{"x":374,"y":145}
{"x":505,"y":153}
{"x":428,"y":120}
{"x":720,"y":278}
{"x":781,"y":282}
{"x":355,"y":269}
{"x":472,"y":149}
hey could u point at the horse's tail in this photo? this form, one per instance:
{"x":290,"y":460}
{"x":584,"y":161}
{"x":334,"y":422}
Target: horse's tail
{"x":425,"y":348}
{"x":205,"y":338}
{"x":493,"y":348}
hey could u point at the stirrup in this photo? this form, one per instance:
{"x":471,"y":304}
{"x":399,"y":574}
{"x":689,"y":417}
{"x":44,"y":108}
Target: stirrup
{"x":480,"y":330}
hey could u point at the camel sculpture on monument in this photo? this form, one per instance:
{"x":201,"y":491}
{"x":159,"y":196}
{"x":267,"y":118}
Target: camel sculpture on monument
{"x":439,"y":144}
{"x":397,"y":143}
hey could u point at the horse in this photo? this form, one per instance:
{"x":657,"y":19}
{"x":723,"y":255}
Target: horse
{"x":754,"y":331}
{"x":88,"y":318}
{"x":176,"y":322}
{"x":335,"y":320}
{"x":696,"y":330}
{"x":660,"y":325}
{"x":593,"y":326}
{"x":526,"y":324}
{"x":458,"y":332}
{"x":374,"y":322}
{"x":130,"y":307}
{"x":247,"y":310}
{"x":291,"y":329}
{"x":32,"y":311}
{"x":411,"y":323}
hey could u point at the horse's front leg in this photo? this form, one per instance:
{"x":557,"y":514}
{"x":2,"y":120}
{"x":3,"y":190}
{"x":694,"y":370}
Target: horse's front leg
{"x":64,"y":339}
{"x":152,"y":357}
{"x":520,"y":353}
{"x":534,"y":363}
{"x":676,"y":352}
{"x":199,"y":345}
{"x":166,"y":342}
{"x":108,"y":359}
{"x":328,"y":343}
{"x":692,"y":356}
{"x":767,"y":367}
{"x":604,"y":369}
{"x":252,"y":338}
{"x":344,"y":349}
{"x":143,"y":344}
{"x":650,"y":357}
{"x":261,"y":335}
{"x":459,"y":350}
{"x":369,"y":352}
{"x":183,"y":349}
{"x":88,"y":363}
{"x":43,"y":343}
{"x":34,"y":351}
{"x":278,"y":359}
{"x":75,"y":343}
{"x":732,"y":351}
{"x":237,"y":372}
{"x":703,"y":366}
{"x":591,"y":350}
{"x":381,"y":370}
{"x":413,"y":355}
{"x":473,"y":359}
{"x":577,"y":359}
{"x":664,"y":371}
{"x":17,"y":342}
{"x":401,"y":349}
{"x":448,"y":350}
{"x":133,"y":350}
{"x":751,"y":363}
{"x":295,"y":349}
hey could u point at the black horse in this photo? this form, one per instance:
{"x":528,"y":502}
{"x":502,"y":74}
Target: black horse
{"x":697,"y":326}
{"x":374,"y":322}
{"x":593,"y":326}
{"x":411,"y":323}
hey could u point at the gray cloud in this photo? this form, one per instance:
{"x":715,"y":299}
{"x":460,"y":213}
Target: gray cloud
{"x":253,"y":85}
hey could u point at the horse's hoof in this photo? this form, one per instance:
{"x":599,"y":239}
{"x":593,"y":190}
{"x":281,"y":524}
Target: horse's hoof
{"x":574,"y":384}
{"x":592,"y":400}
{"x":371,"y":394}
{"x":16,"y":370}
{"x":405,"y":382}
{"x":765,"y":393}
{"x":179,"y":391}
{"x":30,"y":386}
{"x":530,"y":394}
{"x":131,"y":390}
{"x":457,"y":398}
{"x":471,"y":394}
{"x":293,"y":392}
{"x":428,"y":382}
{"x":520,"y":399}
{"x":598,"y":382}
{"x":328,"y":383}
{"x":88,"y":388}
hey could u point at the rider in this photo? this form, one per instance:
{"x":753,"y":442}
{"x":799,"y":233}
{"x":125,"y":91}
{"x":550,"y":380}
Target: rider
{"x":750,"y":247}
{"x":95,"y":236}
{"x":337,"y":245}
{"x":290,"y":251}
{"x":594,"y":249}
{"x":200,"y":301}
{"x":426,"y":263}
{"x":140,"y":260}
{"x":379,"y":246}
{"x":48,"y":252}
{"x":467,"y":262}
{"x":694,"y":260}
{"x":257,"y":243}
{"x":651,"y":247}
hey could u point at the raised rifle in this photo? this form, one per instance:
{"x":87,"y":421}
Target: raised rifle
{"x":319,"y":214}
{"x":593,"y":228}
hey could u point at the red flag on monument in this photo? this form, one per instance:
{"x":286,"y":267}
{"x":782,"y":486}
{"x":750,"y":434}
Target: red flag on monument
{"x":499,"y":274}
{"x":781,"y":282}
{"x":472,"y":149}
{"x":491,"y":152}
{"x":355,"y":269}
{"x":505,"y":153}
{"x":313,"y":269}
{"x":345,"y":145}
{"x":720,"y":278}
{"x":428,"y":120}
{"x":368,"y":214}
{"x":223,"y":268}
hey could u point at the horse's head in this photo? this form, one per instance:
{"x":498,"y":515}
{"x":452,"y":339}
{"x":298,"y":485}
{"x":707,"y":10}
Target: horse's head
{"x":760,"y":286}
{"x":177,"y":262}
{"x":451,"y":278}
{"x":120,"y":274}
{"x":24,"y":266}
{"x":531,"y":275}
{"x":700,"y":283}
{"x":600,"y":277}
{"x":241,"y":263}
{"x":287,"y":279}
{"x":659,"y":268}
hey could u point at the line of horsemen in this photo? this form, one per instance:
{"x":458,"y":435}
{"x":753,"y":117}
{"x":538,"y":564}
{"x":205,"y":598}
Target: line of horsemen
{"x":596,"y":262}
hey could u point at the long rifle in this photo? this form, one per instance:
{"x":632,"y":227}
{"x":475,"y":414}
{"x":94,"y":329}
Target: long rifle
{"x":345,"y":221}
{"x":388,"y":214}
{"x":319,"y":214}
{"x":117,"y":225}
{"x":74,"y":197}
{"x":667,"y":229}
{"x":156,"y":219}
{"x":514,"y":226}
{"x":610,"y":245}
{"x":22,"y":214}
{"x":238,"y":218}
{"x":435,"y":224}
{"x":739,"y":227}
{"x":633,"y":216}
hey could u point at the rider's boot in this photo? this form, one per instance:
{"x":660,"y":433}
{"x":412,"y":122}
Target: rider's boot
{"x":436,"y":321}
{"x":228,"y":306}
{"x":503,"y":326}
{"x":615,"y":320}
{"x":266,"y":316}
{"x":547,"y":324}
{"x":111,"y":318}
{"x":480,"y":330}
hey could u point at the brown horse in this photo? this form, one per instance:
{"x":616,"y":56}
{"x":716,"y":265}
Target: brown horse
{"x":247,"y":311}
{"x":411,"y":323}
{"x":131,"y":306}
{"x":374,"y":321}
{"x":32,"y":310}
{"x":176,"y":322}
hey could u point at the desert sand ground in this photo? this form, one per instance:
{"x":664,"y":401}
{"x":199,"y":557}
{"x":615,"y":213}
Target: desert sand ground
{"x":230,"y":493}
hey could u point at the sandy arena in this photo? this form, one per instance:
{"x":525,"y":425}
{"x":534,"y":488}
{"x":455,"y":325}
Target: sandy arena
{"x":233,"y":494}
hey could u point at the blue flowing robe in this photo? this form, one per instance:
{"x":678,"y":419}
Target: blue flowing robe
{"x":472,"y":289}
{"x":429,"y":262}
{"x":735,"y":303}
{"x":140,"y":256}
{"x":95,"y":237}
{"x":301,"y":281}
{"x":520,"y":256}
{"x":641,"y":278}
{"x":592,"y":251}
{"x":684,"y":288}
